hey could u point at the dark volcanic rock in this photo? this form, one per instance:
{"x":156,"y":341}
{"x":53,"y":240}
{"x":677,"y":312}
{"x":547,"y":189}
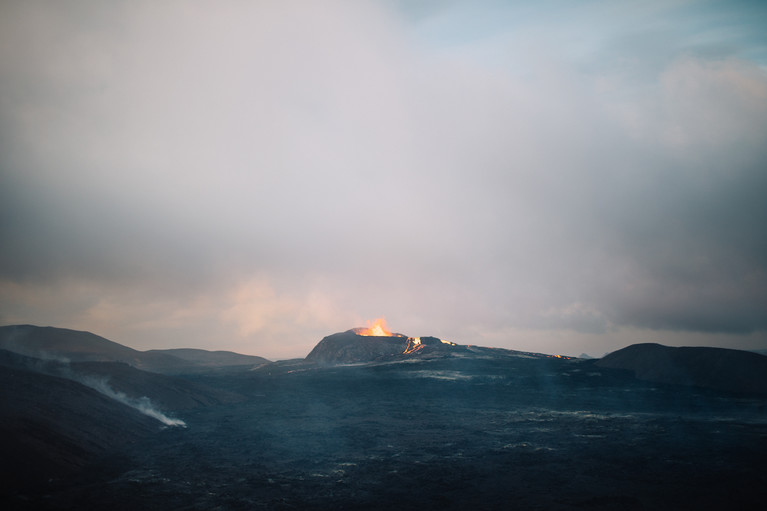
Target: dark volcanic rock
{"x":716,"y":368}
{"x":348,"y":347}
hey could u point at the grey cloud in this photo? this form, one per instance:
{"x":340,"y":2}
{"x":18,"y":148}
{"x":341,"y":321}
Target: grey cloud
{"x":178,"y":154}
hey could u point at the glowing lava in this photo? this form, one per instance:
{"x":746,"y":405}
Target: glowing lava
{"x":413,"y":344}
{"x":377,"y":329}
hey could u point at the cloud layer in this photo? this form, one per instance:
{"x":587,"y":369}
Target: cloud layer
{"x":256,"y":176}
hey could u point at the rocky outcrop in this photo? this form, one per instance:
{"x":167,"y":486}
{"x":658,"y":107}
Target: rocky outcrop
{"x":348,"y":347}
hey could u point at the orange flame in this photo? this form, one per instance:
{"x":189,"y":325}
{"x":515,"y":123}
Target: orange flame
{"x":377,"y":329}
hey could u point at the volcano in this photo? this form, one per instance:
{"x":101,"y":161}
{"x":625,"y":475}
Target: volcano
{"x":351,"y":347}
{"x":355,"y":347}
{"x":376,"y":343}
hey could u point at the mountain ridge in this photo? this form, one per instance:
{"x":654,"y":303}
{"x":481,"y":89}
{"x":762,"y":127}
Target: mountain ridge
{"x":716,"y":368}
{"x":67,"y":345}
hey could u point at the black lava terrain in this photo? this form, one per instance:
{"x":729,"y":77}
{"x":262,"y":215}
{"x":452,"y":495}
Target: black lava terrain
{"x":466,"y":429}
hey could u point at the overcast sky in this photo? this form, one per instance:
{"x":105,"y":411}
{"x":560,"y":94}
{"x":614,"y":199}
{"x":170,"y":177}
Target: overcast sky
{"x":560,"y":177}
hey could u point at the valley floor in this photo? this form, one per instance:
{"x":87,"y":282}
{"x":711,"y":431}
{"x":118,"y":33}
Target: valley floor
{"x":439,"y":435}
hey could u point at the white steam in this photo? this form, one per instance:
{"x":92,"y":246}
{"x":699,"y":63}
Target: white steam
{"x":142,"y":404}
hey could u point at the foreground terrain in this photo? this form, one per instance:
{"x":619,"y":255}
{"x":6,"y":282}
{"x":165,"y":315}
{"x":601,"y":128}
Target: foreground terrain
{"x":460,"y":432}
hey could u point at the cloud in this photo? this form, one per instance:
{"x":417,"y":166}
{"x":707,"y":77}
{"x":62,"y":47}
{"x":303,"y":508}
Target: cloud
{"x":256,"y":176}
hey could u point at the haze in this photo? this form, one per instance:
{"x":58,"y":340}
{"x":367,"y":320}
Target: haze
{"x":558,"y":177}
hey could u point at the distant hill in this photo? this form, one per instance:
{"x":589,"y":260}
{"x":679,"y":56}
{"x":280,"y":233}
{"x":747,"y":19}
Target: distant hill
{"x":207,"y":358}
{"x":49,"y":343}
{"x":716,"y":368}
{"x":62,"y":344}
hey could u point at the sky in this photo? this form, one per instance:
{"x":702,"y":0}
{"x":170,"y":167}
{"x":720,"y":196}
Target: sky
{"x":559,"y":177}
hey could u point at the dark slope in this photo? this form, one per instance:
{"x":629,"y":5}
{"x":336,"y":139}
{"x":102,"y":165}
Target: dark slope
{"x":52,"y":429}
{"x":715,"y":368}
{"x":165,"y":391}
{"x":62,"y":344}
{"x":168,"y":393}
